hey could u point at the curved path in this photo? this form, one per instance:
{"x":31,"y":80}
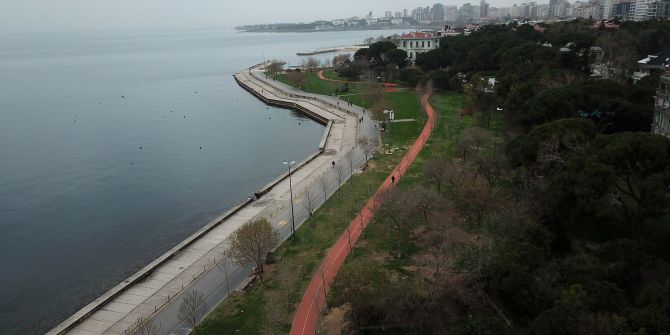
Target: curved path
{"x":307,"y":315}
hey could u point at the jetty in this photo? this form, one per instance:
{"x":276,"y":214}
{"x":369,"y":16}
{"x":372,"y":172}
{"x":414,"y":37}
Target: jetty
{"x":331,"y":50}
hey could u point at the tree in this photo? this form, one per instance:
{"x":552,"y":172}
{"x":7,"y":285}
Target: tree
{"x":435,"y":171}
{"x":251,"y":243}
{"x":143,"y":327}
{"x":311,"y":63}
{"x":350,"y":159}
{"x":224,"y":267}
{"x":339,"y":170}
{"x":309,"y":201}
{"x":192,"y":308}
{"x":323,"y":182}
{"x":275,"y":67}
{"x":341,"y":60}
{"x":397,"y":57}
{"x":298,"y":78}
{"x":378,"y":49}
{"x":369,"y":145}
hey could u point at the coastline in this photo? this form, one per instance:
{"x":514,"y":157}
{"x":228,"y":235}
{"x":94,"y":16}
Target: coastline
{"x":96,"y":317}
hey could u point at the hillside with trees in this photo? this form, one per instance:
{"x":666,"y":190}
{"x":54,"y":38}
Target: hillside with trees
{"x":542,"y":205}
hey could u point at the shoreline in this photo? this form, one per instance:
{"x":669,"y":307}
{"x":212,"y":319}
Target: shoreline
{"x":94,"y":318}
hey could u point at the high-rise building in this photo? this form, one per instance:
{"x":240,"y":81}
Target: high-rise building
{"x":606,"y":9}
{"x":661,"y":125}
{"x":451,"y":13}
{"x":465,"y":14}
{"x":437,"y":12}
{"x":483,"y":9}
{"x":405,"y":13}
{"x":649,"y":9}
{"x":522,"y":10}
{"x":532,"y":9}
{"x":622,"y":10}
{"x":553,"y":8}
{"x":388,"y":14}
{"x":663,"y":9}
{"x":426,"y":13}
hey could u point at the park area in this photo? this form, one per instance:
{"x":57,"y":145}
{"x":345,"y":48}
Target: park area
{"x":391,"y":245}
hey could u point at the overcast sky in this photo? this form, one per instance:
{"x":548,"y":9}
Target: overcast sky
{"x":92,"y":15}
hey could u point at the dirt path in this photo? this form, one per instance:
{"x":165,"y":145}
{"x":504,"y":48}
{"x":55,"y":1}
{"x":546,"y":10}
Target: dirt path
{"x":307,"y":315}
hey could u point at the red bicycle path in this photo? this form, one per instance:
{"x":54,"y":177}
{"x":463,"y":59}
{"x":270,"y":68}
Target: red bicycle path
{"x":314,"y":299}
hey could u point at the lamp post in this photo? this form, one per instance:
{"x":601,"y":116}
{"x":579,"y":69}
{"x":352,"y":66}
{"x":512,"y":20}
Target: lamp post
{"x":290,"y":187}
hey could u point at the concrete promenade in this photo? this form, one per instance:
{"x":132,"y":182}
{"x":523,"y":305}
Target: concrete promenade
{"x":198,"y":263}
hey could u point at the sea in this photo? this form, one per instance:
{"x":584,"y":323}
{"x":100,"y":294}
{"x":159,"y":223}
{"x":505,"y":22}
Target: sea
{"x":116,"y":146}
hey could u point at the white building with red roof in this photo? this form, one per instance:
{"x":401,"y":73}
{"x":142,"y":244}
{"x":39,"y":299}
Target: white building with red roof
{"x":418,"y":42}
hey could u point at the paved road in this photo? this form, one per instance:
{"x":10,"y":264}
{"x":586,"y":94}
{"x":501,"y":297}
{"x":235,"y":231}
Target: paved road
{"x":307,"y":315}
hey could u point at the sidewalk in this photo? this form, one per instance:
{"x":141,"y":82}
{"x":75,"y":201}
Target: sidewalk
{"x":155,"y":292}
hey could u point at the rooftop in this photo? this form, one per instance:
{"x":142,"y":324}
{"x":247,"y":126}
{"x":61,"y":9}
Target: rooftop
{"x":419,"y":35}
{"x":661,"y":59}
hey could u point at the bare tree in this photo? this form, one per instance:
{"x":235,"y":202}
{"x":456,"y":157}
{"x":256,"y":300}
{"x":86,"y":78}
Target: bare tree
{"x":490,"y":169}
{"x":275,"y":67}
{"x":478,"y":197}
{"x":457,"y":177}
{"x":350,"y":159}
{"x":298,"y":78}
{"x":339,"y":173}
{"x":435,"y":171}
{"x":287,"y":277}
{"x":369,"y":145}
{"x":311,"y":63}
{"x":309,"y":201}
{"x":323,"y":182}
{"x":251,"y":243}
{"x":464,"y":145}
{"x":224,"y":267}
{"x":192,"y":308}
{"x":143,"y":327}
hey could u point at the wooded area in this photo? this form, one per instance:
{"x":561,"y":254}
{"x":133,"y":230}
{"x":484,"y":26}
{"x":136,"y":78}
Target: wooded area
{"x":561,"y":229}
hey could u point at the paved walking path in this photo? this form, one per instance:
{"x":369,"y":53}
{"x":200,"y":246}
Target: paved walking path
{"x":198,"y":263}
{"x":314,"y":299}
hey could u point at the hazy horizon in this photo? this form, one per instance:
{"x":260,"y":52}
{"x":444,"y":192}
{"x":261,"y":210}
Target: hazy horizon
{"x":35,"y":16}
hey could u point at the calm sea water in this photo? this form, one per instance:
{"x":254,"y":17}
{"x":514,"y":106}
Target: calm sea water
{"x":114,"y":147}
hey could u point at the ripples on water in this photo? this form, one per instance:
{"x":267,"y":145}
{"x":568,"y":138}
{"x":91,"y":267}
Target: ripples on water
{"x":116,"y":146}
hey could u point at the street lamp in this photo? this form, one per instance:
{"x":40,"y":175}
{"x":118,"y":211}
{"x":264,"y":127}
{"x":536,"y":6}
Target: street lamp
{"x":290,"y":187}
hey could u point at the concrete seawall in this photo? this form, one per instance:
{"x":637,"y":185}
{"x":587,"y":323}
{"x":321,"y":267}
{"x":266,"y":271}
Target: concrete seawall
{"x":152,"y":291}
{"x":283,"y":104}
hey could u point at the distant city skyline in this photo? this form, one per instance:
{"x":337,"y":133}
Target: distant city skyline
{"x":19,"y":16}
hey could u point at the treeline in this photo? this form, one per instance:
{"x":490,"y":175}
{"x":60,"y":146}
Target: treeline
{"x":565,"y":233}
{"x":547,"y":76}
